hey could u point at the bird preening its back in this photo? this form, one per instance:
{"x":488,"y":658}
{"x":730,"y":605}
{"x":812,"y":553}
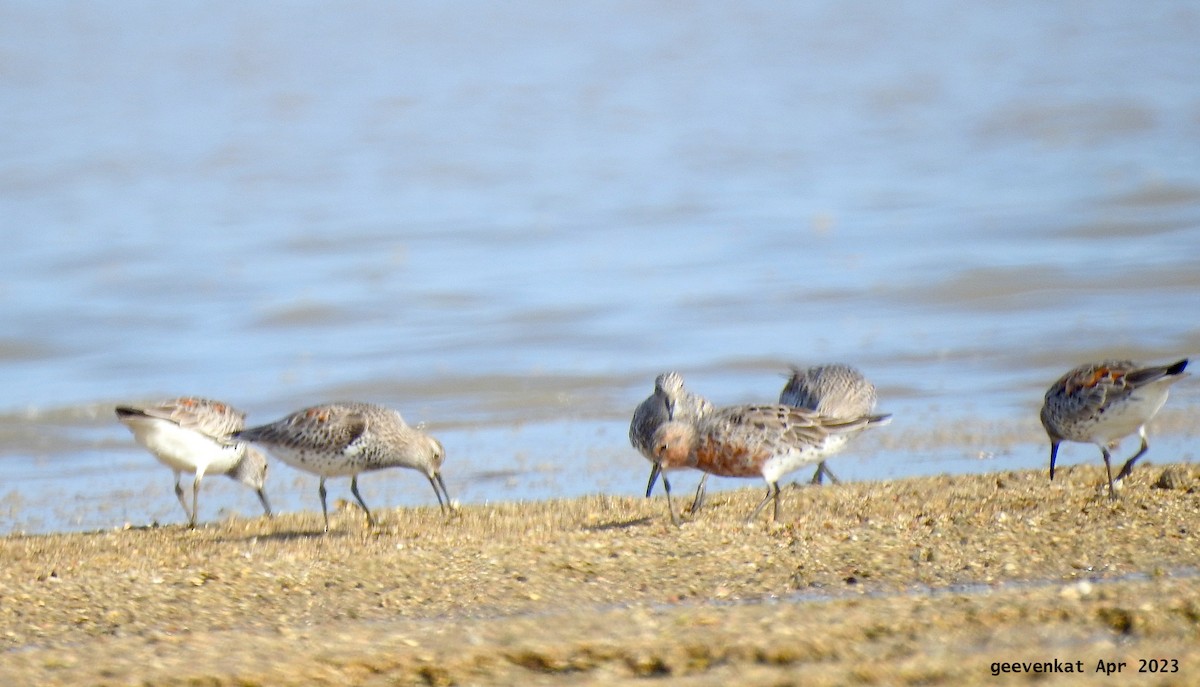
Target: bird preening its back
{"x":834,"y":390}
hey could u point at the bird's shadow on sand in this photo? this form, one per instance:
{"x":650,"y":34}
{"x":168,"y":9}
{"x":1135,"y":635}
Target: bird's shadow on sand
{"x":292,"y":535}
{"x":619,"y":524}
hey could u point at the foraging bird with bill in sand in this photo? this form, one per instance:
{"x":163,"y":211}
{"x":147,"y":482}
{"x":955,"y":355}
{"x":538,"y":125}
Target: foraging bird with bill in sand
{"x":188,"y":434}
{"x":755,"y":440}
{"x":347,"y":439}
{"x":669,"y":401}
{"x":1102,"y":403}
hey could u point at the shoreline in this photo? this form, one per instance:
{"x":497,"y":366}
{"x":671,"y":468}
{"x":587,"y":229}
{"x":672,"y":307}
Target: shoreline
{"x":65,"y":492}
{"x":916,"y":581}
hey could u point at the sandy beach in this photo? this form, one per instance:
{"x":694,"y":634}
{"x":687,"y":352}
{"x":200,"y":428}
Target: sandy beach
{"x":942,"y":580}
{"x":505,"y":221}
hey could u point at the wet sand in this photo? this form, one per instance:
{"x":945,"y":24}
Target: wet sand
{"x":912,"y":582}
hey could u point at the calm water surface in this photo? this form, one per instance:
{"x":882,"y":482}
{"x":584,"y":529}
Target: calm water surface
{"x":505,"y":221}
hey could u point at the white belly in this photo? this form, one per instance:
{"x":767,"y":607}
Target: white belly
{"x":182,"y":449}
{"x":785,"y":462}
{"x":1121,"y":420}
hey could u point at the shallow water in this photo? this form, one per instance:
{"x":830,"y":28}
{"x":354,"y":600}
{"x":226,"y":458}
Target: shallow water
{"x":505,"y":222}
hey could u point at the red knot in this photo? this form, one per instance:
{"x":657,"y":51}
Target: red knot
{"x":755,"y":440}
{"x":670,"y":401}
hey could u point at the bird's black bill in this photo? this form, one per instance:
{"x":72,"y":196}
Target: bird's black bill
{"x":653,"y":478}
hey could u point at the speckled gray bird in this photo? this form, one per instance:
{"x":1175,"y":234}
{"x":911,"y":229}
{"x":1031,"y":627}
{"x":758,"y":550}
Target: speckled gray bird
{"x":346,"y":439}
{"x":188,"y":434}
{"x":1102,"y":403}
{"x":669,"y":401}
{"x":835,"y":391}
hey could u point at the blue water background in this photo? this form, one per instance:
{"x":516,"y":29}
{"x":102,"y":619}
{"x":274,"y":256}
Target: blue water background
{"x":505,"y":220}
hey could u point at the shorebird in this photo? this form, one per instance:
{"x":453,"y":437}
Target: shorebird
{"x":755,"y":440}
{"x":670,"y":401}
{"x":834,"y":391}
{"x":345,"y":439}
{"x":1102,"y":403}
{"x":189,"y":435}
